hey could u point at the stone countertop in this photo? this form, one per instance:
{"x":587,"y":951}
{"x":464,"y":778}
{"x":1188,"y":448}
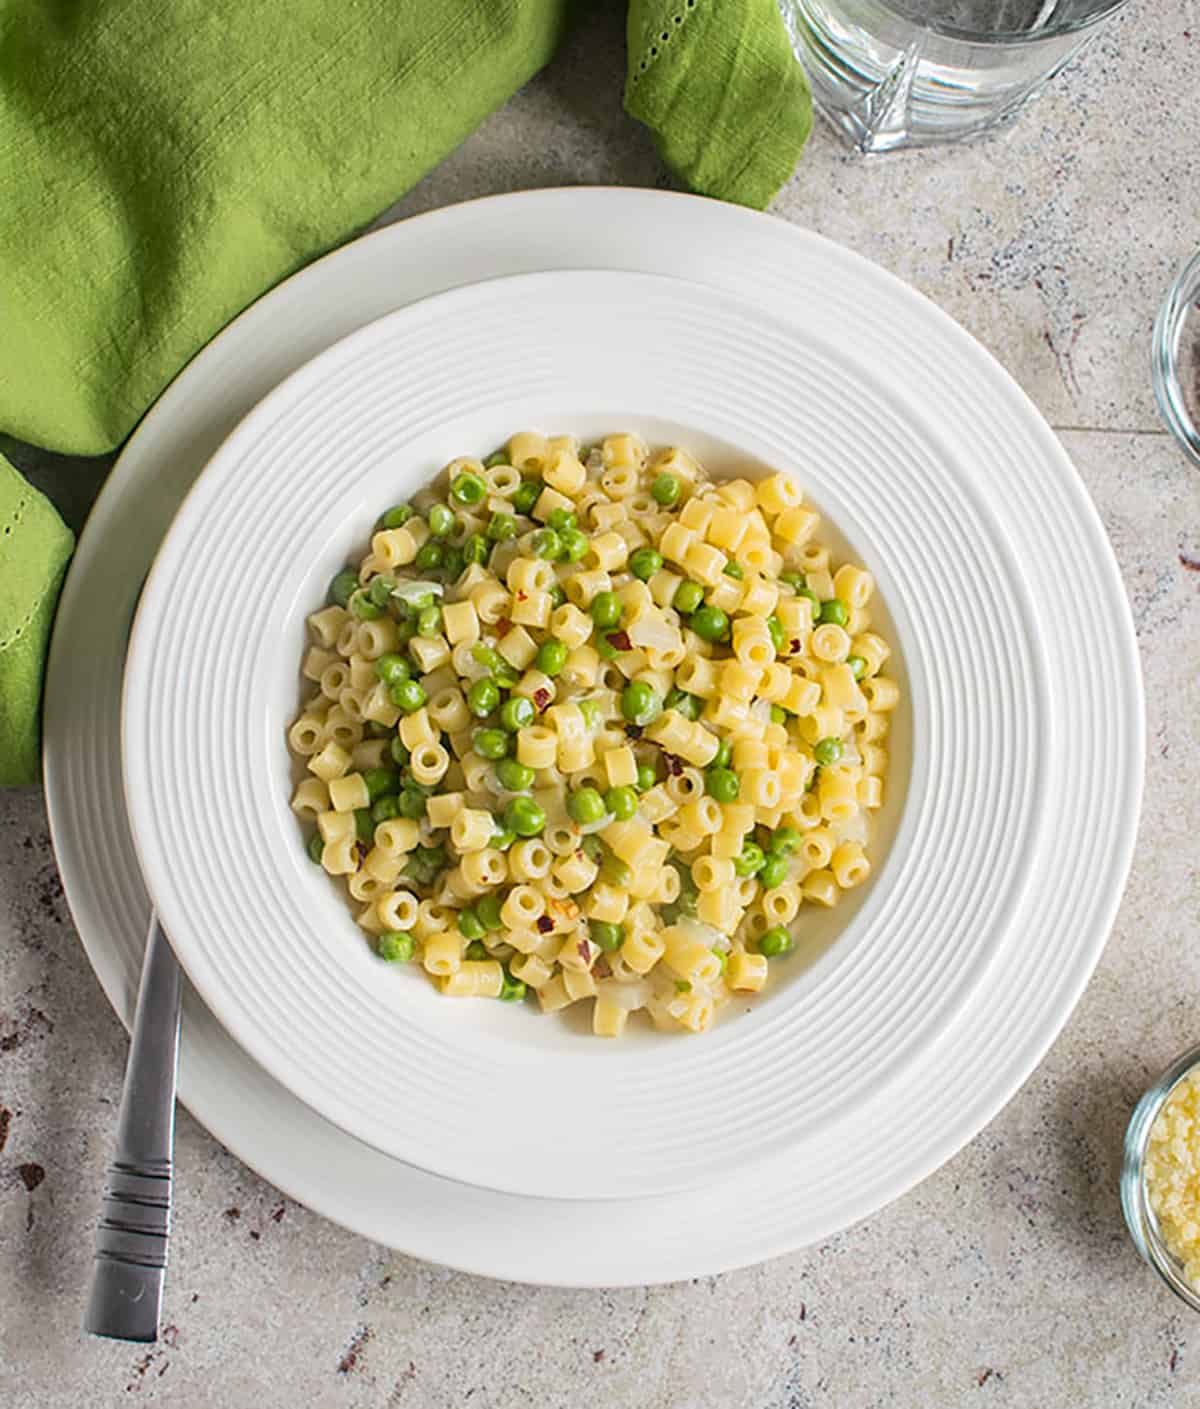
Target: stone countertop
{"x":1006,"y":1278}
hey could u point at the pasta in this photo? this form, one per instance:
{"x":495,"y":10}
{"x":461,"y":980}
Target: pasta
{"x":592,"y":727}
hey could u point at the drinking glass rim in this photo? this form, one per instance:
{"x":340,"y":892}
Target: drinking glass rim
{"x":1001,"y":38}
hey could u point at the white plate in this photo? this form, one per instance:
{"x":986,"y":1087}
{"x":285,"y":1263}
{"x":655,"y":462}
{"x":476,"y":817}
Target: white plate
{"x":1092,"y":761}
{"x":211,"y":687}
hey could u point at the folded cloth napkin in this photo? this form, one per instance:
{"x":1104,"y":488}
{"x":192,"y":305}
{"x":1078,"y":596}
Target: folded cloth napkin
{"x":162,"y":165}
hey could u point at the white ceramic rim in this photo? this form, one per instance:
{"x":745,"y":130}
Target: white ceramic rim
{"x":976,"y":1068}
{"x":326,"y":1022}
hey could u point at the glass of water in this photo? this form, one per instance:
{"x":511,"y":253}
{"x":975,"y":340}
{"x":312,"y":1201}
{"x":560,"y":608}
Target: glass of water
{"x":911,"y":73}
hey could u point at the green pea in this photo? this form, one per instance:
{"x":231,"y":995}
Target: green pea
{"x":644,"y":563}
{"x":562,"y":519}
{"x":376,"y":730}
{"x":364,"y":828}
{"x":688,"y":596}
{"x":429,"y":555}
{"x":621,"y":802}
{"x":775,"y":941}
{"x":724,"y":754}
{"x":646,"y":777}
{"x":551,"y":657}
{"x":501,"y":526}
{"x":639,"y":704}
{"x":605,"y":649}
{"x":502,"y":839}
{"x":709,"y":623}
{"x":378,"y":781}
{"x":383,"y":809}
{"x":316,"y":848}
{"x":665,"y":490}
{"x":476,"y":950}
{"x":682,"y":985}
{"x":608,"y":936}
{"x":834,"y":611}
{"x":483,"y":697}
{"x":585,"y":806}
{"x":491,"y":743}
{"x":467,"y":488}
{"x":516,"y":713}
{"x":514,"y":777}
{"x":405,"y":631}
{"x":722,"y":783}
{"x":397,"y":516}
{"x":784,"y":841}
{"x":683,"y":703}
{"x":615,"y":871}
{"x":574,"y":544}
{"x":497,"y":457}
{"x":362,"y":607}
{"x":380,"y":590}
{"x":512,"y":990}
{"x":606,"y":610}
{"x":408,"y":696}
{"x":396,"y":946}
{"x":774,"y":872}
{"x":393,"y":669}
{"x":412,"y":804}
{"x":734,"y":569}
{"x":505,"y":676}
{"x":546,"y":544}
{"x":813,"y":598}
{"x":400,"y":755}
{"x":475,"y":549}
{"x":526,"y":496}
{"x":590,"y":710}
{"x":557,"y":596}
{"x":750,"y":860}
{"x":776,"y":632}
{"x":440,"y":520}
{"x":858,"y":666}
{"x":778,"y":714}
{"x":429,"y":622}
{"x":593,"y":848}
{"x":524,"y":816}
{"x":488,"y":657}
{"x":488,"y":910}
{"x":453,"y":562}
{"x":794,"y":580}
{"x":827,"y":752}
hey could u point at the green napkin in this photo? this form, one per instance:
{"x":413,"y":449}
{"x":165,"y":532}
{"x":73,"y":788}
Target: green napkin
{"x":161,"y":166}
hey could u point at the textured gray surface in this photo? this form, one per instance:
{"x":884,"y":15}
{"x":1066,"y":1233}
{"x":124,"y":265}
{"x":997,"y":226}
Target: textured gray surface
{"x":1005,"y":1278}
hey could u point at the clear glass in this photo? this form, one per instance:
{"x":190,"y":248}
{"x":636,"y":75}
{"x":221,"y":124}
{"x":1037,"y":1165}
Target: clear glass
{"x":1139,"y":1216}
{"x":1175,"y":358}
{"x":911,"y":73}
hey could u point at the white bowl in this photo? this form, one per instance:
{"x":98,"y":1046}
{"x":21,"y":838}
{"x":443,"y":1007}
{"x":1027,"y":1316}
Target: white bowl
{"x":482,"y":1092}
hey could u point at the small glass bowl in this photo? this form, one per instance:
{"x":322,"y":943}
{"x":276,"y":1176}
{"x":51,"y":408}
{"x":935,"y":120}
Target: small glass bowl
{"x":1175,"y":358}
{"x":1139,"y":1216}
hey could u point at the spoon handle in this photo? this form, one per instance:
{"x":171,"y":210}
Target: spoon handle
{"x":135,"y":1220}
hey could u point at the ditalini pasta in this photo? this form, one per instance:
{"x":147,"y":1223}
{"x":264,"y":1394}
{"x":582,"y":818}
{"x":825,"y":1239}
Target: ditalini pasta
{"x":588,"y":725}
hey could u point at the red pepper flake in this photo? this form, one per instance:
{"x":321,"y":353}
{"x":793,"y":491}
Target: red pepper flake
{"x":795,"y":644}
{"x":1191,"y":564}
{"x":503,"y":626}
{"x":521,"y":597}
{"x":360,"y":848}
{"x":545,"y":924}
{"x":674,"y":765}
{"x":584,"y":949}
{"x":619,"y":640}
{"x":541,"y":698}
{"x":601,"y":968}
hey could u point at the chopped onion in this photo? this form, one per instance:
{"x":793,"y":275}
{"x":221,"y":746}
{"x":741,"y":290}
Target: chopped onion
{"x":651,"y":630}
{"x":708,"y":935}
{"x":411,"y":591}
{"x":629,"y":996}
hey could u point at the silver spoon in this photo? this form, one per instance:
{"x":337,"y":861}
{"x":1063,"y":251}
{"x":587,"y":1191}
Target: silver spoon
{"x":131,"y":1241}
